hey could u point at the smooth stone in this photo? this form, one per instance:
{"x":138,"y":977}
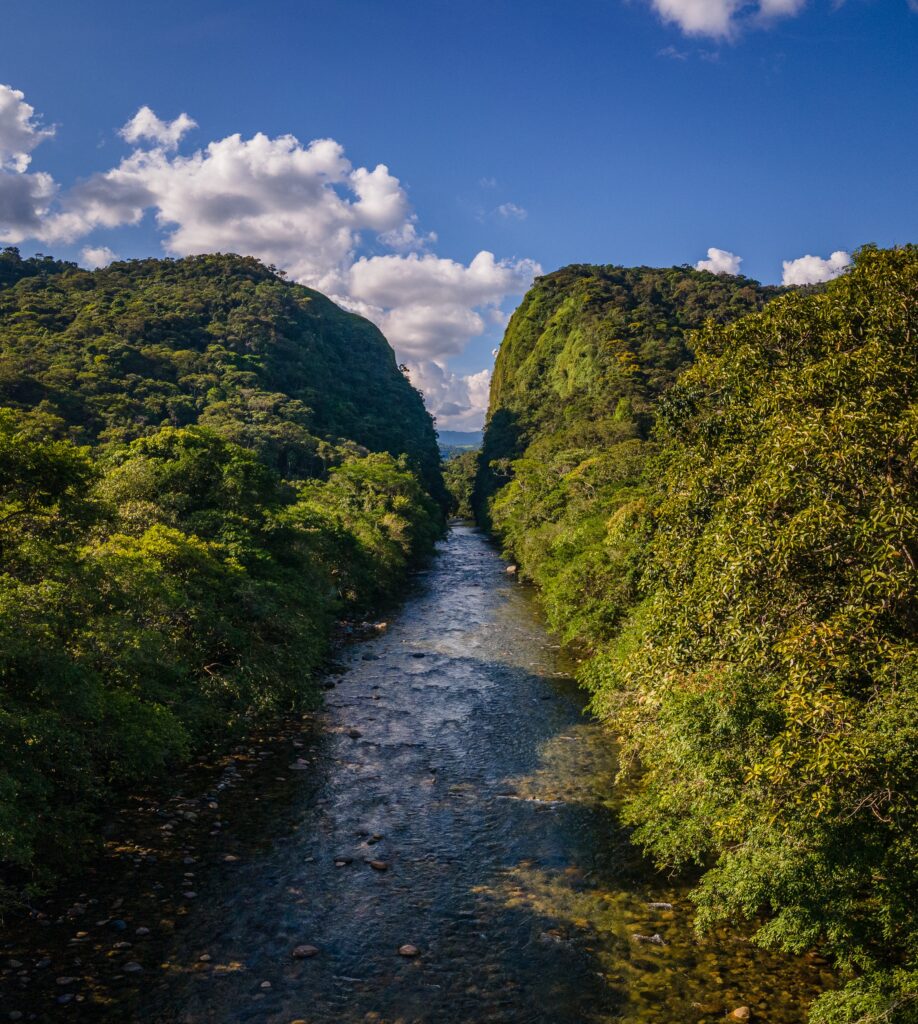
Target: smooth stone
{"x":378,"y":865}
{"x":132,"y":967}
{"x":741,"y":1013}
{"x":304,"y":952}
{"x":408,"y":950}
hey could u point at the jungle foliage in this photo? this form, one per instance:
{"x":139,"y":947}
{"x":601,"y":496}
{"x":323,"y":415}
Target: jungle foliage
{"x":459,"y":473}
{"x":745,"y":583}
{"x":188,"y":500}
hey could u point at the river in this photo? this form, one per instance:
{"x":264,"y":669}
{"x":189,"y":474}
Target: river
{"x":452,"y":752}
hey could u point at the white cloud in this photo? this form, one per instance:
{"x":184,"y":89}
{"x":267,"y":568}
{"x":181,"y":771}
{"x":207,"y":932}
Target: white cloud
{"x":20,"y":133}
{"x":24,"y":198}
{"x":24,"y":202}
{"x":429,"y":307}
{"x":722,"y":18}
{"x":460,"y":401}
{"x":145,"y":125}
{"x":814,"y":269}
{"x":510,"y":211}
{"x":97,"y":256}
{"x":720,"y":261}
{"x":303,"y":208}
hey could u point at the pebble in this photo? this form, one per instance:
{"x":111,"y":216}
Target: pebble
{"x":378,"y":865}
{"x":741,"y":1013}
{"x":304,"y":952}
{"x":408,"y":950}
{"x":66,"y":980}
{"x":132,"y":967}
{"x":265,"y":984}
{"x":142,"y":931}
{"x":660,"y":906}
{"x":354,"y":734}
{"x":205,"y":958}
{"x":230,"y":858}
{"x":656,"y":940}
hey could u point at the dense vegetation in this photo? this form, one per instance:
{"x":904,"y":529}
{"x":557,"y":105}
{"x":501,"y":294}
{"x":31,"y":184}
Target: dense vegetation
{"x":584,"y":360}
{"x":748,"y":584}
{"x":188,"y":498}
{"x":459,"y":474}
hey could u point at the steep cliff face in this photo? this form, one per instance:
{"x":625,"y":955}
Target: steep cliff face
{"x":589,"y":351}
{"x":218,"y":341}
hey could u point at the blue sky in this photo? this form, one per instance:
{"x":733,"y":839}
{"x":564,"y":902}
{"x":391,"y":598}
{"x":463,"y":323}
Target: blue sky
{"x":542,"y":133}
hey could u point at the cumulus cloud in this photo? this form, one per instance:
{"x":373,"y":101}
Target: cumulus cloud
{"x":146,"y":126}
{"x":20,"y":132}
{"x":722,"y":18}
{"x":95,"y":256}
{"x":24,"y":202}
{"x":428,"y":306}
{"x":720,"y":261}
{"x":814,"y":269}
{"x":302,"y":207}
{"x":459,"y":401}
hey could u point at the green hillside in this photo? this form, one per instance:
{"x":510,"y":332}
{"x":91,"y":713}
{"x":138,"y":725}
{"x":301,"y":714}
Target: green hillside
{"x":582,"y":365}
{"x":201,"y":467}
{"x":219,"y":341}
{"x":732,"y":550}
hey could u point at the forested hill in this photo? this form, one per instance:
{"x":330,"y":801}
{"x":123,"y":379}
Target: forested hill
{"x":732,"y":549}
{"x":590,"y":349}
{"x":202,"y":466}
{"x":220,"y":341}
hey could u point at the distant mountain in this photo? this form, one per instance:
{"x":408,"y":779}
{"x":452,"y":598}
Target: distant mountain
{"x":461,"y":438}
{"x":453,"y":441}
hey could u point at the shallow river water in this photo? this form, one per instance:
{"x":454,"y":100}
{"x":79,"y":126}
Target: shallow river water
{"x":454,"y":752}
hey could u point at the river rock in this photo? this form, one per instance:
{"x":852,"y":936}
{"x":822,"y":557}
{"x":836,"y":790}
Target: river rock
{"x":132,"y":967}
{"x":655,"y":940}
{"x":304,"y":952}
{"x":511,"y":569}
{"x":741,"y":1013}
{"x":354,"y":734}
{"x":408,"y":950}
{"x":378,"y":865}
{"x":660,"y":906}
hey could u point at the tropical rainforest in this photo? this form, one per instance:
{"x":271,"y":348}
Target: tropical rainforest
{"x":202,"y":467}
{"x":715,"y":487}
